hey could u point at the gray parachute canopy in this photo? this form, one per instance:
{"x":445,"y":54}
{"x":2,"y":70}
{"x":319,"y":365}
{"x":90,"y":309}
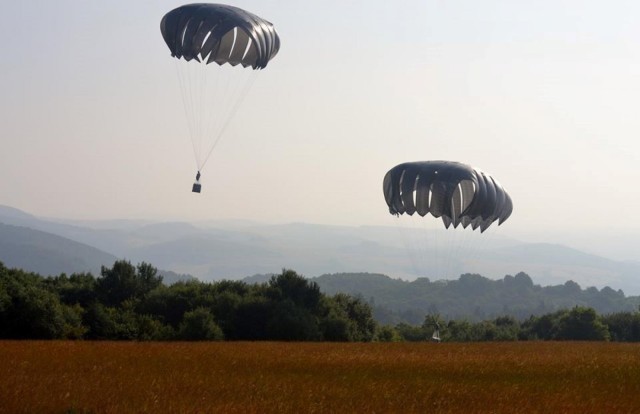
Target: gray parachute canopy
{"x":457,"y":192}
{"x":219,"y":33}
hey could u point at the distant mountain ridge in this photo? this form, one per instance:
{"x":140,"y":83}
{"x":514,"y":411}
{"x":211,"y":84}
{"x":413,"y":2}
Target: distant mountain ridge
{"x":233,"y":250}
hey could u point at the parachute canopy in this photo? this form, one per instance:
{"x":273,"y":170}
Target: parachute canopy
{"x":457,"y":192}
{"x":219,"y":33}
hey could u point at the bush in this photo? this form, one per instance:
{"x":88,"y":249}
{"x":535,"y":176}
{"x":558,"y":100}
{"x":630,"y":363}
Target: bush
{"x":386,"y":333}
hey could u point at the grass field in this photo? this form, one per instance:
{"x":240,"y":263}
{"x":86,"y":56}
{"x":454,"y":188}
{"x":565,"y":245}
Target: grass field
{"x":177,"y":377}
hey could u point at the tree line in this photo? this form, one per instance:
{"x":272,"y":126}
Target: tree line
{"x":576,"y":324}
{"x":127,"y":302}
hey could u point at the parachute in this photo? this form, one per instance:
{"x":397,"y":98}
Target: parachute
{"x":456,"y":192}
{"x":221,"y":34}
{"x":200,"y":34}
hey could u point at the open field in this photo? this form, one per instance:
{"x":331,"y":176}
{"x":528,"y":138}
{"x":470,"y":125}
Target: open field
{"x":177,"y":377}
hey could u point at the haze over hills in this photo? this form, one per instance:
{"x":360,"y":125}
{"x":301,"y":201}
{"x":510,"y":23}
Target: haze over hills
{"x":50,"y":254}
{"x":235,"y":250}
{"x":47,"y":253}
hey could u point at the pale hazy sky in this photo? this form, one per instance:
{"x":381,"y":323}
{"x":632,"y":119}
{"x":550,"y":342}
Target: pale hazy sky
{"x":542,"y":95}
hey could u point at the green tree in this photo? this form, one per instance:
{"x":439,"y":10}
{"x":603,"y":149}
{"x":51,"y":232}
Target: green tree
{"x":289,"y":285}
{"x":151,"y":329}
{"x":582,"y":324}
{"x":199,"y":325}
{"x":225,"y":302}
{"x":336,"y":328}
{"x":335,"y":324}
{"x":111,"y":323}
{"x":544,"y":327}
{"x":291,"y":322}
{"x":623,"y":326}
{"x":484,"y":331}
{"x":170,"y":303}
{"x":387,"y":333}
{"x":123,"y":281}
{"x":5,"y":299}
{"x":99,"y":322}
{"x":79,"y":288}
{"x":28,"y":309}
{"x":507,"y":328}
{"x":412,"y":333}
{"x":73,"y":327}
{"x":360,"y":313}
{"x":458,"y":331}
{"x":251,"y":317}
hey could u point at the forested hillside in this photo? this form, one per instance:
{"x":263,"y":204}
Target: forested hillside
{"x":471,"y":297}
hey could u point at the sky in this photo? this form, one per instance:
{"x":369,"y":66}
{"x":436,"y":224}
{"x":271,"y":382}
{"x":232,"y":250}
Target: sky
{"x":541,"y":95}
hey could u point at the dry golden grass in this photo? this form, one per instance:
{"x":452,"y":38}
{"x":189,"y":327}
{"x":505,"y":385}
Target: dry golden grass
{"x":121,"y":377}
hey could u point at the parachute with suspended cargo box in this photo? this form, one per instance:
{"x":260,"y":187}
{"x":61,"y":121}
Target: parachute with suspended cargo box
{"x":200,"y":34}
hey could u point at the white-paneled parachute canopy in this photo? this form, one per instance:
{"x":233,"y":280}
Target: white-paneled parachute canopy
{"x":219,"y":33}
{"x":456,"y":192}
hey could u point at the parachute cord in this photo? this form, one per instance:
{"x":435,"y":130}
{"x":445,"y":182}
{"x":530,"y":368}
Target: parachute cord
{"x":411,"y":247}
{"x":430,"y":254}
{"x":213,"y":105}
{"x":234,"y":110}
{"x":472,"y":251}
{"x":458,"y":252}
{"x":182,"y":80}
{"x":210,"y":104}
{"x":438,"y":253}
{"x":435,"y":240}
{"x":449,"y":242}
{"x":470,"y":266}
{"x":454,"y":245}
{"x":469,"y":251}
{"x":434,"y":258}
{"x":454,"y":249}
{"x":199,"y":93}
{"x":192,"y":106}
{"x":219,"y":95}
